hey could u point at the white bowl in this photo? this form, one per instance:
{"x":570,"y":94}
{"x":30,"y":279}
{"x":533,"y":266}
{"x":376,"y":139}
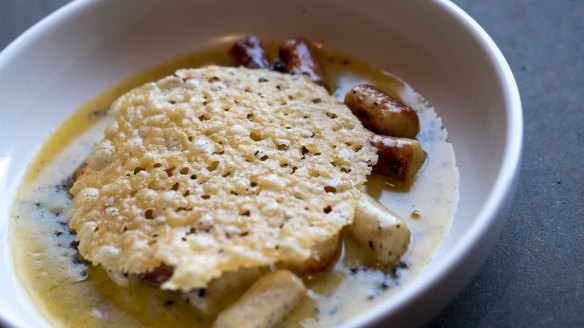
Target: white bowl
{"x":87,"y":46}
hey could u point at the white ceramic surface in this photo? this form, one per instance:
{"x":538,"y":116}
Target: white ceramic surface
{"x":87,"y":46}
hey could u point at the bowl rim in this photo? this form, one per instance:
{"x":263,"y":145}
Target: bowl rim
{"x":502,"y":189}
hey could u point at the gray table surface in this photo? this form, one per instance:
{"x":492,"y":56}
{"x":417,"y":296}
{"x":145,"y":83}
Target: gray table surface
{"x":534,"y":276}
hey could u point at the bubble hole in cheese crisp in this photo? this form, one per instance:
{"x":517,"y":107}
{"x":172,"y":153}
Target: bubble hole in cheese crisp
{"x":216,"y":169}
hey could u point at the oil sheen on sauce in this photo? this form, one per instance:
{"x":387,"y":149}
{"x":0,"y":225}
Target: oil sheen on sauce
{"x":69,"y":293}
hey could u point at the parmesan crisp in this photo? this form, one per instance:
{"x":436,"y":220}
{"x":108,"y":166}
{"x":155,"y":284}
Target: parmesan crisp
{"x":216,"y":169}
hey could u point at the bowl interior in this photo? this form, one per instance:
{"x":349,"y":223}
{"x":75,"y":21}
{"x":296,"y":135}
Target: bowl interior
{"x":90,"y":45}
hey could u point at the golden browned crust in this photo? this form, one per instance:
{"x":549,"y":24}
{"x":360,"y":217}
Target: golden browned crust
{"x":217,"y":169}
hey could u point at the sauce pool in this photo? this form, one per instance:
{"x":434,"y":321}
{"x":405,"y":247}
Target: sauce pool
{"x":70,"y":293}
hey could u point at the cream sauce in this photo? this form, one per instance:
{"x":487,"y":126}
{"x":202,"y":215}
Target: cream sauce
{"x":69,"y":293}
